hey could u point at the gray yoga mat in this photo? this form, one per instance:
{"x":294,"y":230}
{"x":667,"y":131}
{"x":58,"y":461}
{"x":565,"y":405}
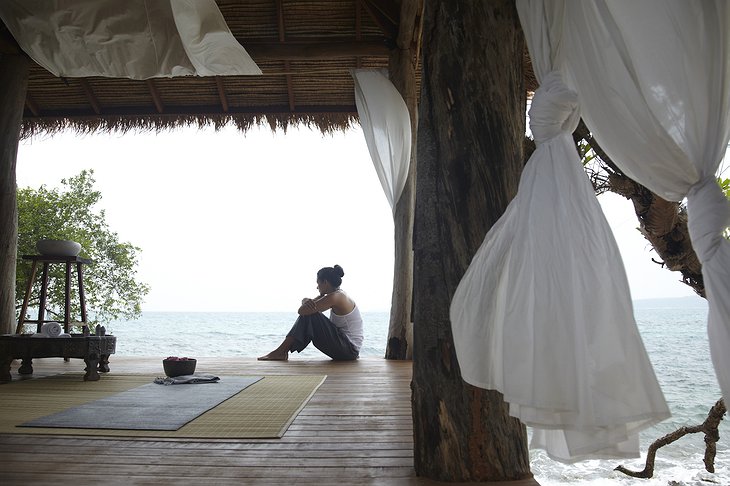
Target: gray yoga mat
{"x":147,"y":407}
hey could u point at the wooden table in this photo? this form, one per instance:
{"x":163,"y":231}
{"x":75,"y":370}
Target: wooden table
{"x":94,"y":350}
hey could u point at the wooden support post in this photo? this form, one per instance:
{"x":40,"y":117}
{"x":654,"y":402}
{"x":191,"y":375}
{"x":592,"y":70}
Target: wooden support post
{"x":13,"y":85}
{"x":402,"y":68}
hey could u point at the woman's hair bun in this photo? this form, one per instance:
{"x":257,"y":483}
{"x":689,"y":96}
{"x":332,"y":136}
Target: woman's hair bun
{"x":331,"y":274}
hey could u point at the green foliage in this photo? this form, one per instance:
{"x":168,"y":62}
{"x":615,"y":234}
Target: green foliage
{"x":110,"y":286}
{"x":593,"y":166}
{"x":585,"y":152}
{"x":725,"y":185}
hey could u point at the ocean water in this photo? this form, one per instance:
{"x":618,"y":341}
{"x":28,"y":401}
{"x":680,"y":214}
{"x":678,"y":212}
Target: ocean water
{"x":246,"y":334}
{"x":675,"y":337}
{"x":674,"y":333}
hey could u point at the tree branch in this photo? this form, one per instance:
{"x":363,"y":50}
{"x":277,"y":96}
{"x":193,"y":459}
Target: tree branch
{"x":663,"y":223}
{"x":583,"y":133}
{"x":708,"y":427}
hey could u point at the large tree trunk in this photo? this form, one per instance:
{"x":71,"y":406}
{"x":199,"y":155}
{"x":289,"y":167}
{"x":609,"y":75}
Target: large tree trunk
{"x":471,"y":130}
{"x":403,"y":76}
{"x":13,"y":83}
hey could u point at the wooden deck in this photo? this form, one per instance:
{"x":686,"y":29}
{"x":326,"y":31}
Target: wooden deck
{"x":355,"y":430}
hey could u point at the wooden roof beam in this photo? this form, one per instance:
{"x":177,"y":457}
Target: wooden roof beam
{"x":221,"y":92}
{"x":289,"y":87}
{"x":90,"y":96}
{"x":358,"y":27}
{"x":282,"y":39}
{"x":280,"y":20}
{"x":385,"y":14}
{"x":307,"y":51}
{"x":155,"y":95}
{"x":358,"y":20}
{"x":186,"y":111}
{"x":313,"y":71}
{"x":31,"y":104}
{"x":388,"y":9}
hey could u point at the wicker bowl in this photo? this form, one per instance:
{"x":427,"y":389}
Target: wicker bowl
{"x":179,"y":367}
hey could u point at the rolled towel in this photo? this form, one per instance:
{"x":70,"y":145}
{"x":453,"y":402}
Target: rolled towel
{"x":51,"y":329}
{"x":187,"y":379}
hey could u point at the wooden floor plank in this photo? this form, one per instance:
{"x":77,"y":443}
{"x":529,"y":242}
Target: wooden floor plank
{"x":356,"y":429}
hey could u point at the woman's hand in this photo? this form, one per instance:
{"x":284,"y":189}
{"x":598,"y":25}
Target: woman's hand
{"x":320,"y":304}
{"x":308,"y":307}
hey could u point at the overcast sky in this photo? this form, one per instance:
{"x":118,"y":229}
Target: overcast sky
{"x":234,"y":222}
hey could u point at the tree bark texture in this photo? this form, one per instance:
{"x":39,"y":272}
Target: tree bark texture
{"x":13,"y":84}
{"x":470,"y":136}
{"x":403,"y":76}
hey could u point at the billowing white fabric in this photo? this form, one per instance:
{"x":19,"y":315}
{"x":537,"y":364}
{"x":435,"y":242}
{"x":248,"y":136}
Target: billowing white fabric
{"x":654,"y":82}
{"x":387,"y":127}
{"x":543,"y":313}
{"x":137,"y":39}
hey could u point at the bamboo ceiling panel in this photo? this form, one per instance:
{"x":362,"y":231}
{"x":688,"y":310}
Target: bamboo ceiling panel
{"x":305,"y":50}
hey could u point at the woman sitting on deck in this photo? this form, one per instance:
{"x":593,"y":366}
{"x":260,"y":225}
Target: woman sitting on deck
{"x":339,"y":337}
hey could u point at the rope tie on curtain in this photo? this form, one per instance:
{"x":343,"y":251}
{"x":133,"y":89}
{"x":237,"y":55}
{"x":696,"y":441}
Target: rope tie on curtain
{"x":709,"y":214}
{"x":554,"y":110}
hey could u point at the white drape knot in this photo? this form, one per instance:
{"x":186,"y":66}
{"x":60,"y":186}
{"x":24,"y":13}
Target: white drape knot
{"x":708,"y":215}
{"x":554,"y":109}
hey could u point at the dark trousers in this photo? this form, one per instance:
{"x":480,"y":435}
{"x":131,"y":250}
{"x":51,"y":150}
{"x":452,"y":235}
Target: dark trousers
{"x":328,"y":338}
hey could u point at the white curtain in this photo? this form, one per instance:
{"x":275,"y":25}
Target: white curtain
{"x":137,"y":39}
{"x":543,"y":313}
{"x":653,"y":78}
{"x":387,"y":127}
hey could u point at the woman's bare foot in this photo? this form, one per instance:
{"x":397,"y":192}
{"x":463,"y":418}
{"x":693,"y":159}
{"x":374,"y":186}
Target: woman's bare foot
{"x":281,"y":353}
{"x":275,"y":356}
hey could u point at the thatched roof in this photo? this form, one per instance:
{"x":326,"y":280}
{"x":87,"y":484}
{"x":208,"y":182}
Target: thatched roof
{"x":304,"y":48}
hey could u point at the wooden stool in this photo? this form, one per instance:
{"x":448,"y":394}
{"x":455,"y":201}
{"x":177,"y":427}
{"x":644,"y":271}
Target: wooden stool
{"x":48,"y":260}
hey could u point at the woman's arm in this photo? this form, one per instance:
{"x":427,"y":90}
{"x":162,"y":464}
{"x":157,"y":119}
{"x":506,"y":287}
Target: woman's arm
{"x":319,"y":304}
